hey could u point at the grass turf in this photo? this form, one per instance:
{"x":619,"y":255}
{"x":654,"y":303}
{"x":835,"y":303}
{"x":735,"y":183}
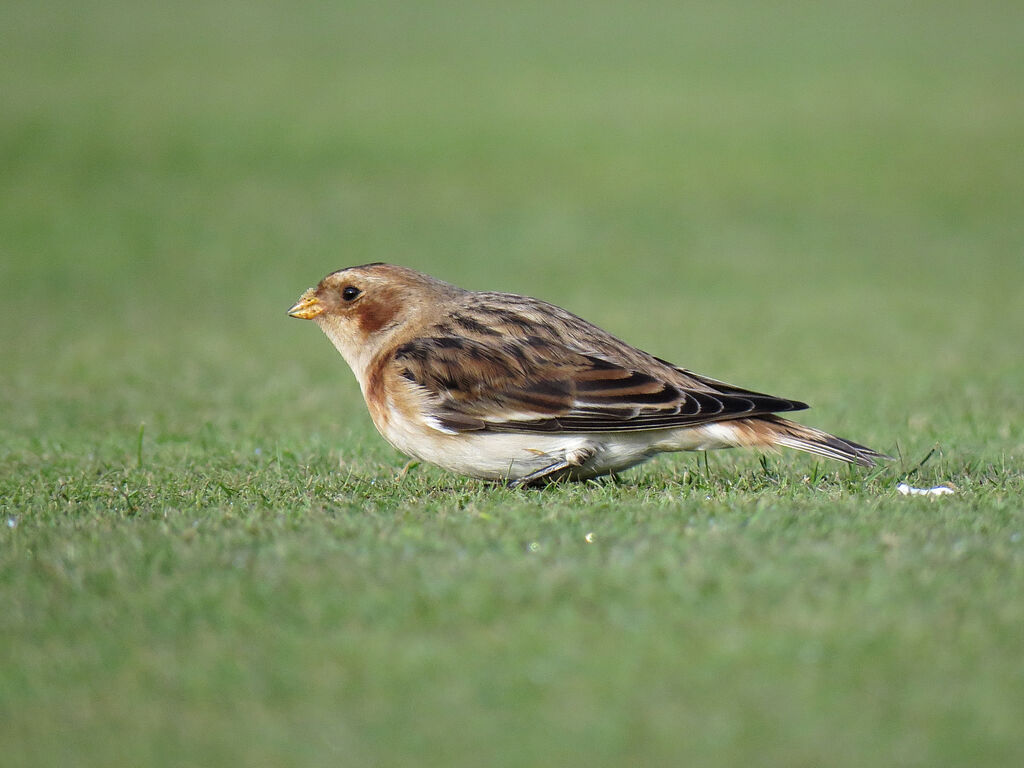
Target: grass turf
{"x":207,"y":555}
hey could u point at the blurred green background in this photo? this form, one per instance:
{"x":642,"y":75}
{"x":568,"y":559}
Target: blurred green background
{"x":820,"y":200}
{"x":766,"y":192}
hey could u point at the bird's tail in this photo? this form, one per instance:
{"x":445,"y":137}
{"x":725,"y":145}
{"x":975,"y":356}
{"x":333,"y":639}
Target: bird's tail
{"x":775,"y":430}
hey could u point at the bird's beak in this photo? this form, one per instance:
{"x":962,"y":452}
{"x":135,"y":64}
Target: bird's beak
{"x":307,"y":307}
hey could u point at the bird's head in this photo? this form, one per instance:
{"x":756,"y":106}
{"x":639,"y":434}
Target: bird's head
{"x":361,"y":308}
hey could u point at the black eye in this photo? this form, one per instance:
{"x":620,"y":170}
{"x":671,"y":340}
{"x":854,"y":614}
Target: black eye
{"x":350,"y":293}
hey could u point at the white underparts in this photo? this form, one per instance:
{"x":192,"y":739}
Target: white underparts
{"x":513,"y":455}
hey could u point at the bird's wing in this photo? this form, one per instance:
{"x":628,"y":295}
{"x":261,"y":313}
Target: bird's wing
{"x":536,"y":384}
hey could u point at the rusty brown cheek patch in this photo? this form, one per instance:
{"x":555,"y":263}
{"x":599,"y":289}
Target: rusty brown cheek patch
{"x":374,"y":315}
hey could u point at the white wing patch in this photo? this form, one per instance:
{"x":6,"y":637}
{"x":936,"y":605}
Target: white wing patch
{"x":434,"y":423}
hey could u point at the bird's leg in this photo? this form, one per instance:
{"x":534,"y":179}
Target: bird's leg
{"x":576,"y":458}
{"x":405,"y":470}
{"x":539,"y":474}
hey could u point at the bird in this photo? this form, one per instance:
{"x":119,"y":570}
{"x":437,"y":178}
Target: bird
{"x":513,"y":389}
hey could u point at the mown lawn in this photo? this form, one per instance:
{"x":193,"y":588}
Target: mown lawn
{"x":209,"y":557}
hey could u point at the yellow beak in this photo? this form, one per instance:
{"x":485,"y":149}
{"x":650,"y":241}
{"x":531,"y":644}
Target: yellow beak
{"x":307,"y":307}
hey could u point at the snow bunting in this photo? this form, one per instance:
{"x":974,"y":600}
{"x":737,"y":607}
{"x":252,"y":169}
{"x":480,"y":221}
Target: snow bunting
{"x":505,"y":387}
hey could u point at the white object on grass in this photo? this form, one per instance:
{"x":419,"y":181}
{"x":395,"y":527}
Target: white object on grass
{"x":909,"y":490}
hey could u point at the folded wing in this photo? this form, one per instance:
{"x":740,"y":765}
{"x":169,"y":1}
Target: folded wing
{"x":536,"y":384}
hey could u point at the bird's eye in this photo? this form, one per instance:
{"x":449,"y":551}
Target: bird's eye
{"x":350,"y":293}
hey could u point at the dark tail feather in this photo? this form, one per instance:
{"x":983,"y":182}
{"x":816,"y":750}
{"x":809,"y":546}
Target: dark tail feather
{"x":792,"y":435}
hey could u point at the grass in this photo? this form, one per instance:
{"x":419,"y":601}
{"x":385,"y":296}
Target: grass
{"x":207,"y":555}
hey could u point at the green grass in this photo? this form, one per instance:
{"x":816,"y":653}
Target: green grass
{"x":207,"y":555}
